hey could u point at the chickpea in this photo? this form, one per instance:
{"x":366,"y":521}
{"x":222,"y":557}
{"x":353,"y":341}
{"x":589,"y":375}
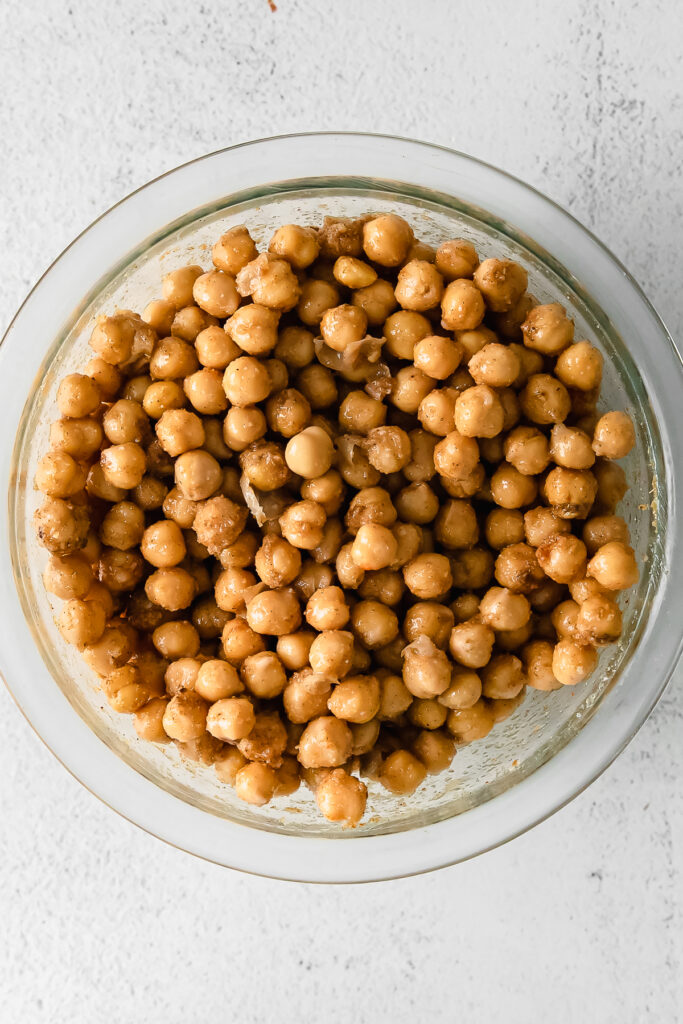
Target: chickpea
{"x":464,"y":690}
{"x":278,"y":373}
{"x":471,"y":569}
{"x":341,"y":798}
{"x":179,"y":508}
{"x":571,"y":447}
{"x":125,"y":690}
{"x":59,"y":475}
{"x":456,"y":524}
{"x":77,"y":396}
{"x":614,"y":566}
{"x":479,"y":412}
{"x":61,"y":526}
{"x":68,"y":576}
{"x":327,"y":609}
{"x":288,"y":412}
{"x":462,"y":306}
{"x":360,"y":413}
{"x":274,"y":612}
{"x":417,"y":503}
{"x":420,"y":286}
{"x":78,"y":438}
{"x":374,"y":547}
{"x":160,"y":397}
{"x":311,"y":578}
{"x":570,"y":492}
{"x":327,"y":490}
{"x":331,"y":653}
{"x":298,"y":245}
{"x":517,"y":569}
{"x":123,"y":526}
{"x":504,"y":527}
{"x":572,"y":662}
{"x":503,"y":677}
{"x":374,"y":624}
{"x":353,"y":273}
{"x":349,"y":574}
{"x":341,"y":236}
{"x":473,"y":723}
{"x":583,"y":588}
{"x":599,"y":620}
{"x":173,"y":358}
{"x":310,"y":453}
{"x":430,"y":619}
{"x":234,"y":250}
{"x":456,"y":455}
{"x":611,"y":486}
{"x":277,"y":561}
{"x":149,"y":493}
{"x":228,"y":763}
{"x":426,"y":668}
{"x":456,"y":258}
{"x":197,"y":475}
{"x":580,"y":366}
{"x":501,"y":608}
{"x":270,"y":282}
{"x":218,"y":524}
{"x":107,"y":377}
{"x":545,"y":399}
{"x":428,"y":576}
{"x":402,"y":773}
{"x":526,"y":448}
{"x":356,"y":699}
{"x":318,"y":386}
{"x":256,"y":783}
{"x":123,"y":465}
{"x":172,"y":589}
{"x":81,"y":622}
{"x":233,"y":587}
{"x":434,"y":749}
{"x":246,"y":381}
{"x":112,"y":338}
{"x":240,"y":640}
{"x":465,"y":606}
{"x":342,"y":325}
{"x":563,"y":618}
{"x":387,"y":239}
{"x":163,"y":545}
{"x":263,"y":464}
{"x":326,"y":742}
{"x":562,"y":558}
{"x":501,"y":282}
{"x":495,"y":364}
{"x":436,"y":411}
{"x":403,"y":331}
{"x":148,"y":721}
{"x":135,"y":388}
{"x":302,"y":524}
{"x":316,"y":297}
{"x":537,"y":659}
{"x":614,"y":436}
{"x":548,"y":329}
{"x":601,"y":529}
{"x":511,"y":489}
{"x":179,"y":431}
{"x":243,"y":425}
{"x":421,"y":467}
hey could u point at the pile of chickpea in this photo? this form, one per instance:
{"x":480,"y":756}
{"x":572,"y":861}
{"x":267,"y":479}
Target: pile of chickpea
{"x":324,"y":512}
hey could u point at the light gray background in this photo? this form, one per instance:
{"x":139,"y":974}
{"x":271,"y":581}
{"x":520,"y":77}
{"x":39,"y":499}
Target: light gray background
{"x":579,"y":920}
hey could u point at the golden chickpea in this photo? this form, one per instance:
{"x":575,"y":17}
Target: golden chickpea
{"x":112,"y":338}
{"x":570,"y":492}
{"x":135,"y":388}
{"x":107,"y":377}
{"x":172,"y":589}
{"x":580,"y":366}
{"x":465,"y":606}
{"x":563,"y":558}
{"x":148,"y":721}
{"x":462,"y":306}
{"x":611,"y":486}
{"x":601,"y":529}
{"x":395,"y":697}
{"x":302,"y":524}
{"x":614,"y":566}
{"x":436,"y":411}
{"x":509,"y":323}
{"x":614,"y":436}
{"x":353,"y":273}
{"x":471,"y":569}
{"x":228,"y":764}
{"x":517,"y":569}
{"x":563,"y":618}
{"x":434,"y":749}
{"x":327,"y":609}
{"x":125,"y":690}
{"x":197,"y":475}
{"x":511,"y":489}
{"x":316,"y":297}
{"x":402,"y":773}
{"x":456,"y":456}
{"x":504,"y":527}
{"x":163,"y":545}
{"x":270,"y":282}
{"x":548,"y":329}
{"x":331,"y":653}
{"x":599,"y":620}
{"x":349,"y":574}
{"x":159,"y":397}
{"x":409,"y":541}
{"x":241,"y":552}
{"x":409,"y":387}
{"x":417,"y":503}
{"x":68,"y":576}
{"x":456,"y":524}
{"x":340,"y":326}
{"x":59,"y":475}
{"x":377,"y":301}
{"x":430,"y":619}
{"x":207,"y":618}
{"x":149,"y":493}
{"x":61,"y":526}
{"x":177,"y":286}
{"x":216,"y":293}
{"x":374,"y":624}
{"x":326,"y":742}
{"x":537,"y":659}
{"x":404,"y":330}
{"x":243,"y":425}
{"x":437,"y":357}
{"x":239,"y":640}
{"x":526,"y":448}
{"x":374,"y":547}
{"x":583,"y":588}
{"x":501,"y":608}
{"x":341,"y":798}
{"x":472,"y":723}
{"x":312,"y":577}
{"x":341,"y":236}
{"x":234,"y":250}
{"x":571,"y":447}
{"x":256,"y":783}
{"x":503,"y":677}
{"x":428,"y":576}
{"x":427,"y":714}
{"x":573,"y":662}
{"x":246,"y":381}
{"x":77,"y":396}
{"x":479,"y":412}
{"x":318,"y":386}
{"x":179,"y":431}
{"x":421,"y":467}
{"x":205,"y":392}
{"x":456,"y":258}
{"x":277,"y":561}
{"x":426,"y":668}
{"x":253,"y":329}
{"x":387,"y":239}
{"x":355,"y":699}
{"x":296,"y":244}
{"x":78,"y":438}
{"x":113,"y":649}
{"x":122,"y":526}
{"x":305,"y":696}
{"x":327,"y":490}
{"x":232,"y":587}
{"x":464,"y":690}
{"x":172,"y":359}
{"x":263,"y":464}
{"x":123,"y":465}
{"x":545,"y":399}
{"x":501,"y":282}
{"x":81,"y":622}
{"x":495,"y":364}
{"x":288,"y":412}
{"x":274,"y":612}
{"x":310,"y":453}
{"x":359,"y":413}
{"x":230,"y":719}
{"x":179,"y":508}
{"x":218,"y":523}
{"x":419,"y":286}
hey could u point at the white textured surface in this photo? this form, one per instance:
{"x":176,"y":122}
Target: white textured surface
{"x":580,"y":920}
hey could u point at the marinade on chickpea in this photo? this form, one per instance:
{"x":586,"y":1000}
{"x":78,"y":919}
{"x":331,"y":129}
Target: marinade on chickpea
{"x":331,"y":504}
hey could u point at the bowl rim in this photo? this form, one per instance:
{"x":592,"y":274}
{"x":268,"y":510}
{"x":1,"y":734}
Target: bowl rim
{"x":400,"y":854}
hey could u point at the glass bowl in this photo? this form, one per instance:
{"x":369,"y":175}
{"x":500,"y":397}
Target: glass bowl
{"x":554,"y":744}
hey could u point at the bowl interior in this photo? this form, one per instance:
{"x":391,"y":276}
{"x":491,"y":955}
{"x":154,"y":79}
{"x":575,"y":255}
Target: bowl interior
{"x":545,"y":722}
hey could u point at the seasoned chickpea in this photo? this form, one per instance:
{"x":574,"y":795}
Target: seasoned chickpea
{"x":472,"y":569}
{"x":436,"y":411}
{"x":270,"y":282}
{"x":387,"y":239}
{"x":504,"y":527}
{"x":456,"y":456}
{"x":614,"y":566}
{"x":403,"y":331}
{"x":517,"y":569}
{"x":172,"y":359}
{"x":503,"y":677}
{"x":234,"y":250}
{"x":288,"y":412}
{"x":501,"y":608}
{"x":122,"y":526}
{"x":149,"y":493}
{"x":253,"y":329}
{"x":228,"y":763}
{"x":563,"y":618}
{"x":419,"y":286}
{"x":179,"y":508}
{"x":537,"y":659}
{"x":256,"y":783}
{"x":331,"y":653}
{"x":456,"y":524}
{"x":239,"y":640}
{"x":205,"y":392}
{"x":495,"y":364}
{"x":163,"y":545}
{"x":302,"y":524}
{"x":341,"y":798}
{"x":571,"y":447}
{"x":548,"y":329}
{"x":61,"y":526}
{"x":421,"y":467}
{"x":230,"y":719}
{"x":462,"y":306}
{"x":327,"y":609}
{"x":410,"y":386}
{"x":377,"y":301}
{"x":570,"y":492}
{"x":526,"y":448}
{"x":218,"y":523}
{"x":437,"y":357}
{"x":611,"y":486}
{"x":326,"y":742}
{"x":243,"y":425}
{"x":233,"y":587}
{"x":318,"y":386}
{"x":356,"y":699}
{"x":148,"y":721}
{"x":426,"y":668}
{"x":107,"y":377}
{"x":573,"y":662}
{"x":59,"y":475}
{"x":298,"y":245}
{"x":123,"y":465}
{"x":316,"y":297}
{"x":172,"y":589}
{"x":77,"y":396}
{"x":465,"y":606}
{"x":274,"y":612}
{"x":353,"y":273}
{"x":197,"y":475}
{"x":216,"y":293}
{"x":464,"y":690}
{"x":179,"y":431}
{"x":417,"y":503}
{"x":68,"y":576}
{"x":479,"y":412}
{"x":434,"y":749}
{"x":327,"y":490}
{"x":246,"y":381}
{"x":264,"y":675}
{"x":601,"y":529}
{"x":342,"y":325}
{"x":599,"y":620}
{"x":511,"y":489}
{"x":374,"y":547}
{"x":177,"y":286}
{"x":614,"y":436}
{"x":349,"y":574}
{"x":79,"y":438}
{"x":81,"y":622}
{"x":473,"y":723}
{"x":160,"y":397}
{"x":501,"y":282}
{"x":545,"y":399}
{"x":263,"y":464}
{"x":277,"y":561}
{"x":456,"y":258}
{"x":430,"y":619}
{"x":563,"y":558}
{"x":580,"y":366}
{"x":374,"y":624}
{"x":312,"y":577}
{"x":402,"y":773}
{"x":428,"y":576}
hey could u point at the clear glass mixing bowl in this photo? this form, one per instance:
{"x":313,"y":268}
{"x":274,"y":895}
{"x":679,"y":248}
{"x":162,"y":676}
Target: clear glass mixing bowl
{"x":554,"y":744}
